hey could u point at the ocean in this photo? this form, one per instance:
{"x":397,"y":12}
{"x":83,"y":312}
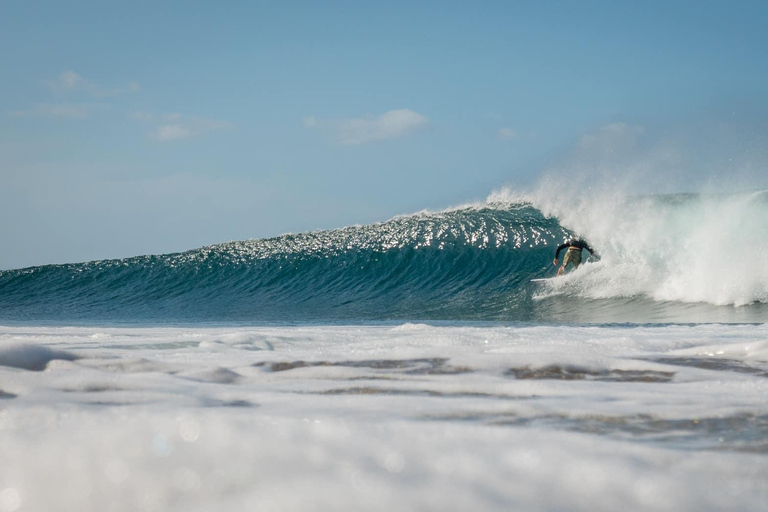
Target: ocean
{"x":403,"y":365}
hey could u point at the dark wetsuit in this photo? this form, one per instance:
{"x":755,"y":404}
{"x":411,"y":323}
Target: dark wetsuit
{"x":575,"y":244}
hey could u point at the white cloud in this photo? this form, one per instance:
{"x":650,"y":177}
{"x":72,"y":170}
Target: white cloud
{"x":69,"y":81}
{"x":389,"y":125}
{"x":172,"y":132}
{"x":178,"y":126}
{"x":61,"y":110}
{"x":506,"y":134}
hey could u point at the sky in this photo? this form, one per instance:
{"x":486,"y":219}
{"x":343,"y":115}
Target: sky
{"x":131,"y":128}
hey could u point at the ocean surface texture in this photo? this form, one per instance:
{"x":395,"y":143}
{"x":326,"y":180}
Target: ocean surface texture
{"x":407,"y":365}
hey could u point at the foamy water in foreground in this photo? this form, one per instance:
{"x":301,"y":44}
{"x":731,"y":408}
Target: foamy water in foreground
{"x":387,"y":417}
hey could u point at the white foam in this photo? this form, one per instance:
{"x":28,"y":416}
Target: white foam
{"x":411,"y":417}
{"x":705,"y":248}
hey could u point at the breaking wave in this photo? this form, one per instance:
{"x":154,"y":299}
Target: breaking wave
{"x":663,"y":258}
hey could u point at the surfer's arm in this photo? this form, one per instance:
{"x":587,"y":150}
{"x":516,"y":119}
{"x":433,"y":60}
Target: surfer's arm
{"x":557,"y":252}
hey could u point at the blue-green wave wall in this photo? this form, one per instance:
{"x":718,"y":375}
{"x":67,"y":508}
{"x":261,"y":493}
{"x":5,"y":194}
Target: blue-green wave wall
{"x":473,"y":263}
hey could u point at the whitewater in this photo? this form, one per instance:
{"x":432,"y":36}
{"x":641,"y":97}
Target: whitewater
{"x":409,"y":364}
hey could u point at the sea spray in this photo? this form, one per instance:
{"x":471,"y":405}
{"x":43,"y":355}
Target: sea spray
{"x":680,"y":247}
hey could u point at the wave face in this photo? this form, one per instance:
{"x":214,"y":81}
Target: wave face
{"x":663,"y":259}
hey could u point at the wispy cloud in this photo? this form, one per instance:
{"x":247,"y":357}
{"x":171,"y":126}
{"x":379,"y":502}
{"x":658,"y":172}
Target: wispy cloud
{"x":506,"y":134}
{"x":169,"y":127}
{"x":172,"y":132}
{"x":69,"y":81}
{"x":389,"y":125}
{"x":61,"y":110}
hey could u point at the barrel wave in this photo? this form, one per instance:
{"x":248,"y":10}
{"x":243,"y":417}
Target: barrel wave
{"x":472,"y":263}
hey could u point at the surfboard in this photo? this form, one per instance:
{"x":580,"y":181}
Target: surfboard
{"x":543,"y":280}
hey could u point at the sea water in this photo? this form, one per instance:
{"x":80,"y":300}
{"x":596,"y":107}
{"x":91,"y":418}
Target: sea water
{"x":407,"y":365}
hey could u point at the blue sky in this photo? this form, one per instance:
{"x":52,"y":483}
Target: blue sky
{"x":148,"y":127}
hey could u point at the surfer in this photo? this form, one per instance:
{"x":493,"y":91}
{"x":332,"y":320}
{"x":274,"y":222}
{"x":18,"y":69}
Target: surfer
{"x":573,"y":254}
